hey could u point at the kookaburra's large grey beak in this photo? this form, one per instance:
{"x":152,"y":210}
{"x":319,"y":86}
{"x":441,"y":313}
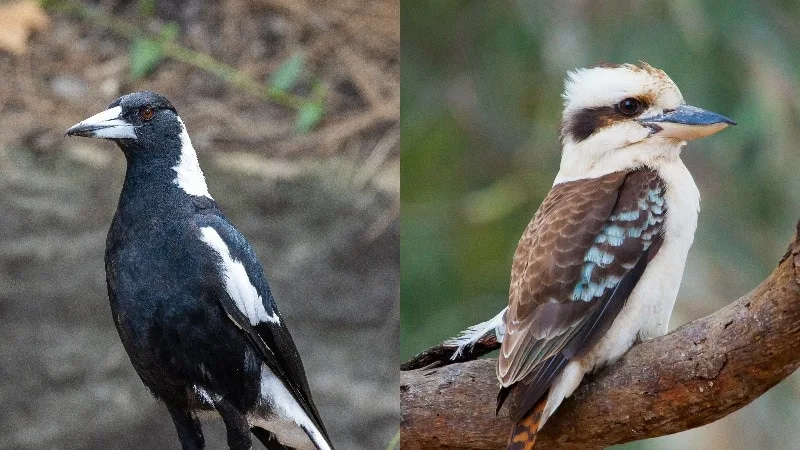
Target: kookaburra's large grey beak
{"x":687,"y":122}
{"x":107,"y":125}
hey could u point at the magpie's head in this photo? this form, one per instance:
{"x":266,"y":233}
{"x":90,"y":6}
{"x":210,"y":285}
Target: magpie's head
{"x":622,"y":116}
{"x":139,"y":120}
{"x":147,"y":128}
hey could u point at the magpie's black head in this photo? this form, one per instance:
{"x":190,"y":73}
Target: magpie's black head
{"x":137,"y":121}
{"x":153,"y":138}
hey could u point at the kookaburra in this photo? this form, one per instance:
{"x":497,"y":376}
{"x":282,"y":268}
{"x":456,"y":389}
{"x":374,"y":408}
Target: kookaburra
{"x":600,"y":263}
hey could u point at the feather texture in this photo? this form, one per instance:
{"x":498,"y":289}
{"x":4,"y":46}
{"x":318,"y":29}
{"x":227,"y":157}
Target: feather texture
{"x":575,"y":266}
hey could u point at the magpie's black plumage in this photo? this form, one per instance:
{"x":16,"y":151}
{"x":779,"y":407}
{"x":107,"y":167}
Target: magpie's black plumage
{"x":188,"y":295}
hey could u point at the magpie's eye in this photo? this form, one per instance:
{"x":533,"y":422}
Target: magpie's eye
{"x":147,"y":113}
{"x":630,"y":106}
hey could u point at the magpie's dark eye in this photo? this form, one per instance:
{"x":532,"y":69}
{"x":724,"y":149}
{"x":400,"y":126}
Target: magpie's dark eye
{"x":630,"y":106}
{"x":147,"y":113}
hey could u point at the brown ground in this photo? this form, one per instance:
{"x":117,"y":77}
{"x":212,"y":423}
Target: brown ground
{"x":320,"y":209}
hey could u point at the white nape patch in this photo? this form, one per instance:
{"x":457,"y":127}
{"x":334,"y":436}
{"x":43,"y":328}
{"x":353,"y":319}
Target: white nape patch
{"x":237,"y":283}
{"x":112,"y":127}
{"x":289,"y":423}
{"x":473,"y":334}
{"x":605,"y":86}
{"x":189,"y":176}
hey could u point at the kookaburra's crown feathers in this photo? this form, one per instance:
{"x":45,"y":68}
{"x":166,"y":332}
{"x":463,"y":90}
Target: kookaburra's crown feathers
{"x":607,"y":84}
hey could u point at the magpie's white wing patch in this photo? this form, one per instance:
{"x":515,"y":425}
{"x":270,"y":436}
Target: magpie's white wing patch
{"x":189,"y":177}
{"x":237,"y":283}
{"x":250,"y":306}
{"x":289,"y":422}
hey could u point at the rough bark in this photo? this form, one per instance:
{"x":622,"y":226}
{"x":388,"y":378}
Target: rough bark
{"x":699,"y":373}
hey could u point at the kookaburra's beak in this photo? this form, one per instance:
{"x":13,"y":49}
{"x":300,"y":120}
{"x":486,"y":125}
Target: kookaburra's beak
{"x":107,"y":125}
{"x":687,"y":122}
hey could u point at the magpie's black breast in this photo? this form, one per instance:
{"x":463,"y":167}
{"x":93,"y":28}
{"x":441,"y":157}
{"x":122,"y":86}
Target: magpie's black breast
{"x":164,"y":292}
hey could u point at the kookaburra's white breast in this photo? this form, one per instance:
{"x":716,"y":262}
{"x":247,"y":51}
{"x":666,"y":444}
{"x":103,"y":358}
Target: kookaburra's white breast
{"x":647,"y":311}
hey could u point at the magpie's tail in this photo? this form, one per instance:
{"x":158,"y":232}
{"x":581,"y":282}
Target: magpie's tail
{"x":523,"y":435}
{"x":271,"y":442}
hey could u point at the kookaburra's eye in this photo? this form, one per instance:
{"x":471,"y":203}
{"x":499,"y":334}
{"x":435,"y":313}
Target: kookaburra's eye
{"x":630,"y":106}
{"x":147,"y":113}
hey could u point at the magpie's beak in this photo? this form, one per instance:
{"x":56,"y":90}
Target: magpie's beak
{"x":687,"y":122}
{"x":106,"y":125}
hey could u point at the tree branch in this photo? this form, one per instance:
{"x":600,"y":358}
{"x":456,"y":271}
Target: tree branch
{"x":697,"y":374}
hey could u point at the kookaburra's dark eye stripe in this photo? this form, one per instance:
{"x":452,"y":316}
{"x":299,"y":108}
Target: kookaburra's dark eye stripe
{"x":585,"y":122}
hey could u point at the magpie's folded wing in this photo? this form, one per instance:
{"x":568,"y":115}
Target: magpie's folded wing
{"x":251,"y":307}
{"x":574,"y":267}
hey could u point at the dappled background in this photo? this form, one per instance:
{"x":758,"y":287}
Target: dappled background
{"x":293,"y":107}
{"x":480,"y":110}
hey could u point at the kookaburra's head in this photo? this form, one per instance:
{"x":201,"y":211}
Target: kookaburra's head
{"x":619,"y":117}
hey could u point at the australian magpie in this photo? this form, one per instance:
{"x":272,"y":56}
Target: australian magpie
{"x":188,"y":295}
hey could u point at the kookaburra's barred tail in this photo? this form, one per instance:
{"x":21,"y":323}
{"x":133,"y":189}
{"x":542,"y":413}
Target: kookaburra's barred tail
{"x":523,"y":435}
{"x":469,"y":337}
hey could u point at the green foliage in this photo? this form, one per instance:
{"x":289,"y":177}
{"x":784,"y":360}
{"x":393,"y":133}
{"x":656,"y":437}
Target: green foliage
{"x":147,"y":52}
{"x":147,"y":7}
{"x":308,"y":116}
{"x":394,"y":444}
{"x":312,"y":111}
{"x":287,"y":75}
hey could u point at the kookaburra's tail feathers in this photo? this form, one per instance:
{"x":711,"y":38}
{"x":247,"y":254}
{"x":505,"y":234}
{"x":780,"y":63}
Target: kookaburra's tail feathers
{"x":523,"y":435}
{"x":469,"y":337}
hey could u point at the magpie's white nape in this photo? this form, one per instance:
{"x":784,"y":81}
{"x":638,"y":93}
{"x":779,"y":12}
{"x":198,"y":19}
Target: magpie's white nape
{"x":188,"y":295}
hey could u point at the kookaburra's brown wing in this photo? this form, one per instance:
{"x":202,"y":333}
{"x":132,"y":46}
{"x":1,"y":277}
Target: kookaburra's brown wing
{"x":576,"y":264}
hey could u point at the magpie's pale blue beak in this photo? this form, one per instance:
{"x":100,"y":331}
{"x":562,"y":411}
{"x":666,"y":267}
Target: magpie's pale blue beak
{"x":686,"y":122}
{"x":106,"y":125}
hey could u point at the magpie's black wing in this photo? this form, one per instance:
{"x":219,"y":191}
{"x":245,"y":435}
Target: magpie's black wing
{"x":251,"y":307}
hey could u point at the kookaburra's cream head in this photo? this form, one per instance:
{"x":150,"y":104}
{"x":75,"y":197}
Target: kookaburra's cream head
{"x":619,"y":117}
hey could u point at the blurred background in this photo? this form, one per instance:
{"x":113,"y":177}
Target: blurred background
{"x":293,"y":107}
{"x":481,"y":102}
